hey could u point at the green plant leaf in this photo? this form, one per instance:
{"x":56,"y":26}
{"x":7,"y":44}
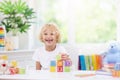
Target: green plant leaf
{"x":6,"y":7}
{"x":17,"y":14}
{"x":20,"y":6}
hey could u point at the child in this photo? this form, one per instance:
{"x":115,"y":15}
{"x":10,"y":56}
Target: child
{"x":50,"y":36}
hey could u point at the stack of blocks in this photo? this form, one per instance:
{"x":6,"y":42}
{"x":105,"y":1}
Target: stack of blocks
{"x":2,"y":38}
{"x":58,"y":65}
{"x":116,"y":71}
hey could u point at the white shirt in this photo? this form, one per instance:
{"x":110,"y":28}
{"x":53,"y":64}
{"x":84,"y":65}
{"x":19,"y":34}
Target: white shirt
{"x":44,"y":57}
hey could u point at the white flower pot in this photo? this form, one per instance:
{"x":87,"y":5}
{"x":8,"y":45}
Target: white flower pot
{"x":12,"y":43}
{"x":15,"y":41}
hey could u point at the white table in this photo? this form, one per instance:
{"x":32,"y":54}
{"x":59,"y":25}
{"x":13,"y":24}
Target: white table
{"x":46,"y":75}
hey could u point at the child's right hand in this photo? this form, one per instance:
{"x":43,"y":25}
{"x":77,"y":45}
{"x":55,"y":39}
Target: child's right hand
{"x":64,"y":56}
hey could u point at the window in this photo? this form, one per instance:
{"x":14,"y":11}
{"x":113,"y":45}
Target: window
{"x":81,"y":21}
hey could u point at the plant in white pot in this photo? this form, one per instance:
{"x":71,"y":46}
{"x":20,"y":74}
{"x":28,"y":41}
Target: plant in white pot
{"x":17,"y":16}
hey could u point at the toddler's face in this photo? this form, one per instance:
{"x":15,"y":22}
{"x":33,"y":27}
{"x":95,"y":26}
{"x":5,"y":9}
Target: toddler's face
{"x":49,"y":37}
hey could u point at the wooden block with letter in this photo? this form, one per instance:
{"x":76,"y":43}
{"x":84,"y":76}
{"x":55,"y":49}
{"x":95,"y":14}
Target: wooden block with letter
{"x":59,"y":63}
{"x":52,"y":69}
{"x":59,"y":68}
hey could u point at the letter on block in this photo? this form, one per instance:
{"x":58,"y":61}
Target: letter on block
{"x":58,"y":57}
{"x":52,"y":69}
{"x":67,"y":69}
{"x":59,"y":68}
{"x":59,"y":63}
{"x":53,"y":63}
{"x":67,"y":63}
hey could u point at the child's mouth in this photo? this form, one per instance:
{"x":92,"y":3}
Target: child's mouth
{"x":49,"y":40}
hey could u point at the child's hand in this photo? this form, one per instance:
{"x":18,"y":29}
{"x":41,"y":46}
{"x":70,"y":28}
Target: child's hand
{"x":66,"y":57}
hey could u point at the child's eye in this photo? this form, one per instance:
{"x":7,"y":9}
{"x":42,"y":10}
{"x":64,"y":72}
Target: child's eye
{"x":51,"y":34}
{"x":45,"y":33}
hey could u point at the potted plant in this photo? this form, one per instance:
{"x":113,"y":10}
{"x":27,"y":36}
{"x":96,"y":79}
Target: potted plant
{"x":17,"y":16}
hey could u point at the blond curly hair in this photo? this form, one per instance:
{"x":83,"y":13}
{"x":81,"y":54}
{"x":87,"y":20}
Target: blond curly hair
{"x":53,"y":27}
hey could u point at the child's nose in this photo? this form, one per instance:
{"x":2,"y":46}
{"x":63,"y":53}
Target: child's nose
{"x":48,"y":35}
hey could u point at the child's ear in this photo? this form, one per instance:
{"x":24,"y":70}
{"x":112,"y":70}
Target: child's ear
{"x":41,"y":38}
{"x":57,"y":38}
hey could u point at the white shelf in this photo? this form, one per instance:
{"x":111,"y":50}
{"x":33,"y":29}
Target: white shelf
{"x":17,"y":51}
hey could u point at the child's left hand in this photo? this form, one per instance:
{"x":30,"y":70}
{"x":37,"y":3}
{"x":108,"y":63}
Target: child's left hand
{"x":66,"y":57}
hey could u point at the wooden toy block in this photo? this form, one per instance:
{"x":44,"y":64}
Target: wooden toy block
{"x":59,"y":68}
{"x":12,"y":70}
{"x":59,"y":63}
{"x":115,"y":73}
{"x":118,"y":73}
{"x":21,"y":70}
{"x":1,"y":35}
{"x":99,"y":61}
{"x":83,"y":65}
{"x":67,"y":63}
{"x":14,"y":63}
{"x":58,"y":57}
{"x":94,"y":62}
{"x":87,"y":62}
{"x":1,"y":28}
{"x":52,"y":69}
{"x":17,"y":70}
{"x":90,"y":62}
{"x":2,"y":38}
{"x":79,"y":64}
{"x":67,"y":69}
{"x":4,"y":57}
{"x":1,"y":31}
{"x":53,"y":63}
{"x":1,"y":45}
{"x":2,"y":41}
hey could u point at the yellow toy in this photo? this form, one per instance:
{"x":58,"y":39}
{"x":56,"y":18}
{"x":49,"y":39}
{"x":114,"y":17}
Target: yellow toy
{"x":8,"y":45}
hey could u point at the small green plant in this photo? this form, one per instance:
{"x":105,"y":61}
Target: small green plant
{"x":17,"y":16}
